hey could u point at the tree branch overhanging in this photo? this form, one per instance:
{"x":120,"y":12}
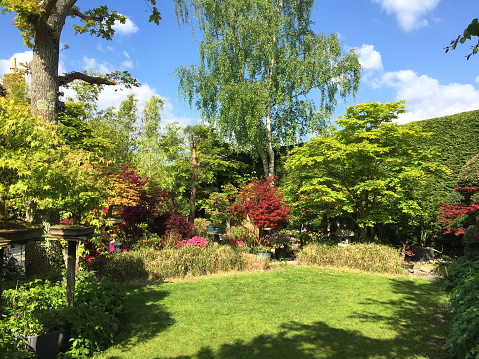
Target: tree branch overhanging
{"x":74,"y":11}
{"x":93,"y":80}
{"x":115,"y":78}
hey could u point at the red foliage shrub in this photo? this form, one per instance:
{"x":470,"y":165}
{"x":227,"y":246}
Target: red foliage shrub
{"x":153,"y":208}
{"x":262,"y":202}
{"x":178,"y":224}
{"x":450,"y":212}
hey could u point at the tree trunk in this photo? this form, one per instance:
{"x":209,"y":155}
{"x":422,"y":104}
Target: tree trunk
{"x":269,"y":146}
{"x":363,"y":234}
{"x":194,"y":180}
{"x":44,"y":65}
{"x":269,"y":164}
{"x":36,"y":260}
{"x":264,"y":160}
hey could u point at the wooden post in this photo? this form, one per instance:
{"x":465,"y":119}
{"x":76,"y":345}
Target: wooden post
{"x":71,"y":261}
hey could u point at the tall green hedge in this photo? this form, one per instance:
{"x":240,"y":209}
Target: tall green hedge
{"x":456,"y":137}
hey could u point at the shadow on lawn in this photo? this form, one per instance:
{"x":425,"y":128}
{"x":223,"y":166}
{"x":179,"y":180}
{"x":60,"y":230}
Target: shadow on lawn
{"x":145,"y":318}
{"x":307,"y":341}
{"x":417,"y":319}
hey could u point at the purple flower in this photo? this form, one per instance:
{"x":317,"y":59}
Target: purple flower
{"x":16,"y":315}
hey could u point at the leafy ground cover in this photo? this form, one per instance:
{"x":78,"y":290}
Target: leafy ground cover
{"x":297,"y":312}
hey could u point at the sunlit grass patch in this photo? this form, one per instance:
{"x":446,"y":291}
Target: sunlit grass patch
{"x":297,"y":312}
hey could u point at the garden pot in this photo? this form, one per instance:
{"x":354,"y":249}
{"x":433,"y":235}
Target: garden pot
{"x":215,"y":229}
{"x":48,"y":345}
{"x":71,"y":231}
{"x":13,"y":236}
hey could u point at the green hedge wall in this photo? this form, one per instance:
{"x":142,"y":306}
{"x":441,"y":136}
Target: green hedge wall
{"x":456,"y":137}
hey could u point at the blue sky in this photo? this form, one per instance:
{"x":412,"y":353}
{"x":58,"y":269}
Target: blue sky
{"x":400,"y":44}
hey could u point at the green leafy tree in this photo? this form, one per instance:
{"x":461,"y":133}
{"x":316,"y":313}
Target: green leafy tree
{"x":38,"y":168}
{"x":41,"y":24}
{"x":258,"y":62}
{"x":121,"y":127}
{"x":149,"y":154}
{"x":79,"y":134}
{"x":471,"y":30}
{"x":208,"y":156}
{"x":16,"y":85}
{"x":368,"y":170}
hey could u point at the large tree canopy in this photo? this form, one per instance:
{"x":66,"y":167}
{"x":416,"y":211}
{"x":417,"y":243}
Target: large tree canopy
{"x":41,"y":24}
{"x":258,"y":61}
{"x":368,"y":170}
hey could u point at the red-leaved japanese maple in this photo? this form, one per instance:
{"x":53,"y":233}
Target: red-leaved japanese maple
{"x":262,"y":202}
{"x":450,"y":212}
{"x":155,"y":207}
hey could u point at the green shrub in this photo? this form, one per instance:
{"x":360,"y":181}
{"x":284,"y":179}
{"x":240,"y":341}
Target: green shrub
{"x":199,"y":227}
{"x":95,"y":317}
{"x":39,"y":306}
{"x":471,"y":242}
{"x":368,"y":257}
{"x":463,"y":336}
{"x":174,"y":262}
{"x":148,"y":240}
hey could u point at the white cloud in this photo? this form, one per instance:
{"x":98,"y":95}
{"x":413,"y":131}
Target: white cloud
{"x":369,"y":58}
{"x":127,"y":63}
{"x":125,"y":29}
{"x":22,"y":57}
{"x":92,"y":64}
{"x":426,"y":97}
{"x":167,"y":116}
{"x":410,"y":13}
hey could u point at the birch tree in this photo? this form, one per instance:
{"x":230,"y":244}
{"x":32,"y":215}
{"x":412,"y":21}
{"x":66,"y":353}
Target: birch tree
{"x":258,"y":62}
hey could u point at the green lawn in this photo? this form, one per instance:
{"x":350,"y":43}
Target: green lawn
{"x":297,"y":312}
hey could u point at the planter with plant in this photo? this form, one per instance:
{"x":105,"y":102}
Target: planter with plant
{"x":32,"y":319}
{"x":217,"y":208}
{"x":37,"y":307}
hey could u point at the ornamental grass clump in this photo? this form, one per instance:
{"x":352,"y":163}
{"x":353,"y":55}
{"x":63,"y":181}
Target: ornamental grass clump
{"x":367,"y":257}
{"x":172,"y":263}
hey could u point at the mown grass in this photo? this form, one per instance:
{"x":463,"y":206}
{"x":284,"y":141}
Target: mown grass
{"x":296,"y":312}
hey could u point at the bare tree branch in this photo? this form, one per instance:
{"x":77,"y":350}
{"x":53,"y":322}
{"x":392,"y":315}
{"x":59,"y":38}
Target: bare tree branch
{"x":74,"y":11}
{"x":93,"y":80}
